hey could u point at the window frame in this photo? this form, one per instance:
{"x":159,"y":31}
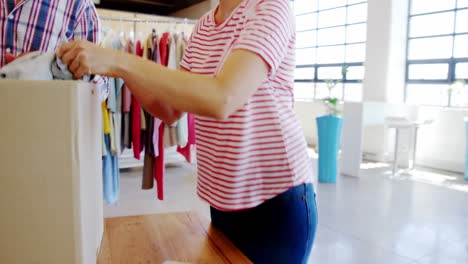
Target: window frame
{"x":316,"y":66}
{"x":451,"y":62}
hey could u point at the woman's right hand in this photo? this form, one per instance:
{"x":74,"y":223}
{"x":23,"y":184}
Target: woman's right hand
{"x":83,"y":57}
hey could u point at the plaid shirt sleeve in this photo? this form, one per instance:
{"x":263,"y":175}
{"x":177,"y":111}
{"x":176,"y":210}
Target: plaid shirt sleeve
{"x":88,"y":27}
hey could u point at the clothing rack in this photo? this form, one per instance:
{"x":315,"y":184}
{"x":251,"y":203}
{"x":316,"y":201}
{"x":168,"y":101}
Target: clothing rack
{"x":126,"y":159}
{"x":159,"y":21}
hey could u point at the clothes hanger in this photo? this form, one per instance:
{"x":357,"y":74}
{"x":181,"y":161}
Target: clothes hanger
{"x":122,"y":31}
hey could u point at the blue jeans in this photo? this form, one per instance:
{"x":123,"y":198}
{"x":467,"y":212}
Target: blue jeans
{"x":280,"y":230}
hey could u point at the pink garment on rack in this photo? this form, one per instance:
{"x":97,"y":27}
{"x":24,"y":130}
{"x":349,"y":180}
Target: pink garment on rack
{"x":127,"y":99}
{"x":189,"y":148}
{"x":157,"y":124}
{"x":136,"y":116}
{"x":159,"y":168}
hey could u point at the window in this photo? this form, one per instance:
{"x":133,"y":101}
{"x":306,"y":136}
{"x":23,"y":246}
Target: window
{"x":331,"y":36}
{"x":437,"y":60}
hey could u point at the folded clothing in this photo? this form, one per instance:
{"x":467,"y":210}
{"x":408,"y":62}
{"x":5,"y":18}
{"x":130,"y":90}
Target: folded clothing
{"x":38,"y":65}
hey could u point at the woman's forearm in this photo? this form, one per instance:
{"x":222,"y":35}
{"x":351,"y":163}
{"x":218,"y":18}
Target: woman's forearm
{"x":157,"y":108}
{"x":168,"y":93}
{"x":155,"y":86}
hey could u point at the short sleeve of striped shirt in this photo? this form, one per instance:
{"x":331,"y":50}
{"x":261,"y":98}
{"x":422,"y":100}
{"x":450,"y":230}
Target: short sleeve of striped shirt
{"x":268,"y":31}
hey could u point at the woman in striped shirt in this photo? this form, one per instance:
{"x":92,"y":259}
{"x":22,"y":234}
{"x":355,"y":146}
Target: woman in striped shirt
{"x":237,"y":78}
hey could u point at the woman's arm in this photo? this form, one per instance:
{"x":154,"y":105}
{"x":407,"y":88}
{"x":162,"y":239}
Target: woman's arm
{"x":157,"y":108}
{"x":158,"y":87}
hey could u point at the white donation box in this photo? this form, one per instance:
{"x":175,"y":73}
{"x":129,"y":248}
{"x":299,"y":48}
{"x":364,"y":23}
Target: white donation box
{"x":50,"y":172}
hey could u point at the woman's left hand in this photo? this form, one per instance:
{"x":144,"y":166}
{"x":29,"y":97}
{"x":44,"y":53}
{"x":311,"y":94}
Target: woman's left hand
{"x":83,"y":57}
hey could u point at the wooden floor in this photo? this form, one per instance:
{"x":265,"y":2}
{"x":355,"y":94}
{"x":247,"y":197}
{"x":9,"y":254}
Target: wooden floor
{"x":182,"y":237}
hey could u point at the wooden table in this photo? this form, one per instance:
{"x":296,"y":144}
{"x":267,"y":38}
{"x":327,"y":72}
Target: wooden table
{"x":183,"y":237}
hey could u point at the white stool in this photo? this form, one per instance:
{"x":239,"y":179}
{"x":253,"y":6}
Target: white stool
{"x":404,"y":123}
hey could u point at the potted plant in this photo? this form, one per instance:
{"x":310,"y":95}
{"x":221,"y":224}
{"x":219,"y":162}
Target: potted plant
{"x":458,"y":94}
{"x":329,"y":129}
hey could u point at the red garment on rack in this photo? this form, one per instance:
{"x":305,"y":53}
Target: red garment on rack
{"x":136,"y":116}
{"x":164,"y":48}
{"x":159,"y":165}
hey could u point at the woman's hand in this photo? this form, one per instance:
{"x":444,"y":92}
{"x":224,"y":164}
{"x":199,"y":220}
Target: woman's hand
{"x":83,"y":57}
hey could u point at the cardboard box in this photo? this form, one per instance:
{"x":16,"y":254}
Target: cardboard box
{"x":50,"y":172}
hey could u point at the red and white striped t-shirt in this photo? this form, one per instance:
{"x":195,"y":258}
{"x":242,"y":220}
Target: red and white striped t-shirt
{"x":260,"y":150}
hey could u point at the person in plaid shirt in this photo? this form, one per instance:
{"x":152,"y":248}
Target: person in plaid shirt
{"x":40,"y":25}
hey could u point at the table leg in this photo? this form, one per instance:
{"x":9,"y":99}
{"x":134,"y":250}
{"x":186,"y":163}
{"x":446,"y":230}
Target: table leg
{"x":395,"y":154}
{"x":415,"y":145}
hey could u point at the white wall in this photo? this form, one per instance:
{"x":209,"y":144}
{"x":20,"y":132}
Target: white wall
{"x":306,"y":113}
{"x":440,"y":145}
{"x":197,"y":10}
{"x":377,"y":51}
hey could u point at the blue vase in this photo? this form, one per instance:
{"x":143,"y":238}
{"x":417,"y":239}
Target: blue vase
{"x":466,"y":149}
{"x":329,"y":136}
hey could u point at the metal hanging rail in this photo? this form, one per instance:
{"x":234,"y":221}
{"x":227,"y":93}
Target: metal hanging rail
{"x":159,"y":21}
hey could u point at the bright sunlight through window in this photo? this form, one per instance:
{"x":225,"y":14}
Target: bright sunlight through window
{"x":331,"y":36}
{"x":437,"y":63}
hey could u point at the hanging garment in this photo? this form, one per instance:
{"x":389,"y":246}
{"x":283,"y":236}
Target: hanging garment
{"x":111,"y":104}
{"x":127,"y":94}
{"x":118,"y":117}
{"x":156,"y":56}
{"x":103,"y":146}
{"x":139,"y":49}
{"x":127,"y":99}
{"x":136,"y":128}
{"x":148,"y":165}
{"x":168,"y":56}
{"x":148,"y":47}
{"x":144,"y":130}
{"x":112,"y":98}
{"x":136,"y":116}
{"x":126,"y":130}
{"x":171,"y":57}
{"x":159,"y":168}
{"x":179,"y":49}
{"x":182,"y":131}
{"x":143,"y":119}
{"x":182,"y":124}
{"x":105,"y":119}
{"x":115,"y":84}
{"x":112,"y":141}
{"x":157,"y":51}
{"x":170,"y":136}
{"x":148,"y":172}
{"x":156,"y":136}
{"x":110,"y":172}
{"x":163,"y":48}
{"x":189,"y":149}
{"x":110,"y":166}
{"x":126,"y":118}
{"x":126,"y":108}
{"x":113,"y":146}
